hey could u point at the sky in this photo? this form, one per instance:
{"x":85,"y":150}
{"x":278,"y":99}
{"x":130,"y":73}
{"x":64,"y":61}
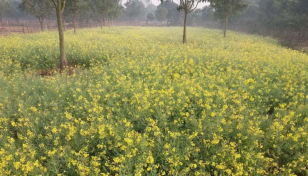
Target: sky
{"x":157,"y":2}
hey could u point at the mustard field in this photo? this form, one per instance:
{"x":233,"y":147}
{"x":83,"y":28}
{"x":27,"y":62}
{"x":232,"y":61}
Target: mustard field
{"x":142,"y":103}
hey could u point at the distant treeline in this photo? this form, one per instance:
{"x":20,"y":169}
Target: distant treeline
{"x":272,"y":13}
{"x":258,"y":13}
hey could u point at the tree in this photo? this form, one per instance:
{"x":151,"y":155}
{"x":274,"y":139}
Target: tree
{"x":4,"y":4}
{"x":161,"y":14}
{"x":150,"y":17}
{"x":249,"y":15}
{"x":106,"y":7}
{"x":59,"y":6}
{"x":150,"y":8}
{"x":13,"y":10}
{"x":41,"y":9}
{"x":187,"y":6}
{"x":134,"y":8}
{"x":224,"y":9}
{"x":75,"y":7}
{"x":173,"y":16}
{"x":115,"y":12}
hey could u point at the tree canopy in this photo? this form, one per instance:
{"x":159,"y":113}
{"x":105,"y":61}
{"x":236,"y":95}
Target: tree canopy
{"x":134,"y":8}
{"x":224,"y":9}
{"x":4,"y":5}
{"x":41,"y":9}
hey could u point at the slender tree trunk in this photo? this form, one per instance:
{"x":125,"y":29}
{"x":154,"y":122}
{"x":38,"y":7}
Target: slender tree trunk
{"x":147,"y":22}
{"x":41,"y":24}
{"x":185,"y":25}
{"x":104,"y":21}
{"x":75,"y":22}
{"x":63,"y":62}
{"x":101,"y":23}
{"x":225,"y":27}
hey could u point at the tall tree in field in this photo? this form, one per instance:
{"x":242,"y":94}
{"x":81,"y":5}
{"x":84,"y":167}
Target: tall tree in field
{"x":75,"y":7}
{"x":115,"y":12}
{"x":59,"y":6}
{"x":4,"y":4}
{"x":161,"y":14}
{"x":105,"y":8}
{"x":224,"y":9}
{"x":41,"y":9}
{"x":173,"y":16}
{"x":187,"y":6}
{"x":14,"y":11}
{"x":150,"y":17}
{"x":134,"y":8}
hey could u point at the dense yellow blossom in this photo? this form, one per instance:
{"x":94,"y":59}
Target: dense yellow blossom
{"x":141,"y":103}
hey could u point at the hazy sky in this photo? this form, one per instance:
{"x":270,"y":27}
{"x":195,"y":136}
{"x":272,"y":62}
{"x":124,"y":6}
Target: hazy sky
{"x":157,"y":2}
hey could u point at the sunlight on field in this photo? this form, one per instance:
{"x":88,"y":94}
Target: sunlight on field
{"x":141,"y":103}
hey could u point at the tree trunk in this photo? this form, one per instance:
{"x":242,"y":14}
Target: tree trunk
{"x":63,"y":24}
{"x":185,"y":25}
{"x":225,"y":27}
{"x":147,"y":22}
{"x":63,"y":62}
{"x":75,"y":22}
{"x":101,"y":23}
{"x":41,"y":24}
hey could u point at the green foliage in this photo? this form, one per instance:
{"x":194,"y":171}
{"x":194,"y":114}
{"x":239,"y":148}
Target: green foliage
{"x":173,"y":16}
{"x":150,"y":17}
{"x":4,"y":6}
{"x":284,"y":13}
{"x":134,"y":8}
{"x":224,"y":9}
{"x":76,"y":6}
{"x":206,"y":14}
{"x":13,"y":10}
{"x":161,"y":13}
{"x":107,"y":8}
{"x":41,"y":9}
{"x":275,"y":14}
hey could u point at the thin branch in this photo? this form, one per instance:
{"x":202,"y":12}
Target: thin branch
{"x":194,"y":7}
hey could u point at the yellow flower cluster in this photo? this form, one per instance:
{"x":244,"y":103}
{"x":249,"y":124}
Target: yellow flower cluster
{"x":141,"y":103}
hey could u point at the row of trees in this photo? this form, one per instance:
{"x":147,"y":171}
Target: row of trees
{"x":291,"y":13}
{"x":223,"y":10}
{"x":276,"y":13}
{"x":42,"y":9}
{"x":111,"y":9}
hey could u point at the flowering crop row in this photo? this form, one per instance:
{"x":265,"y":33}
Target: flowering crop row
{"x":147,"y":105}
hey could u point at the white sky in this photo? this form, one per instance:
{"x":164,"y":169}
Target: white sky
{"x":157,"y":2}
